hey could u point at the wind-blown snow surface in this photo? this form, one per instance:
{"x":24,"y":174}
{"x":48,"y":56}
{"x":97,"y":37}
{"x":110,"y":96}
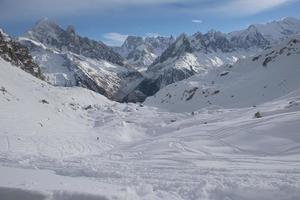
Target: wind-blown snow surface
{"x":49,"y":147}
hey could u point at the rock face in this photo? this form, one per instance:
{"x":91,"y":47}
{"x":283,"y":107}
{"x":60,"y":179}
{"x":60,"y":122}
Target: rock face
{"x":17,"y":54}
{"x":141,"y":52}
{"x":67,"y":59}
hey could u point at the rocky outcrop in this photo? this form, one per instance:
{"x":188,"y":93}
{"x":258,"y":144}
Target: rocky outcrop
{"x":17,"y":54}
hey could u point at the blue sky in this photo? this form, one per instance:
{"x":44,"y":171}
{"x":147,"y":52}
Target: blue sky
{"x":112,"y":20}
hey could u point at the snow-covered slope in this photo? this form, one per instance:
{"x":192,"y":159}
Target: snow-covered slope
{"x":141,"y":52}
{"x":67,"y":59}
{"x":34,"y":112}
{"x":71,"y":143}
{"x":271,"y":74}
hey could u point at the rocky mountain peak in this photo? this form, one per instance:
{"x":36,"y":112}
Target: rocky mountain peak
{"x":213,"y":32}
{"x":180,"y":46}
{"x":212,"y":41}
{"x":290,"y":20}
{"x":159,"y":40}
{"x":45,"y":22}
{"x":52,"y":35}
{"x":71,"y":30}
{"x":252,"y":28}
{"x":44,"y":29}
{"x":248,"y":38}
{"x":158,"y":44}
{"x":132,"y":42}
{"x":276,"y":31}
{"x":141,"y":52}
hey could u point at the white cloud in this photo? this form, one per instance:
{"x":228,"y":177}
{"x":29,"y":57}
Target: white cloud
{"x":197,"y":21}
{"x":27,"y":9}
{"x":114,"y":39}
{"x":248,"y":7}
{"x":32,"y":9}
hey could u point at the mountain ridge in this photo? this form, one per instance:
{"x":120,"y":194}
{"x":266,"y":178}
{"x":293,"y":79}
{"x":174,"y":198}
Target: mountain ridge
{"x":268,"y":75}
{"x":211,"y":50}
{"x":67,"y":59}
{"x":142,"y":51}
{"x":158,"y":61}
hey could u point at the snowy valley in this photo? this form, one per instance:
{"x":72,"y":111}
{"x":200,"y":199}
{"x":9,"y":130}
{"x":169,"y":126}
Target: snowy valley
{"x":223,"y":122}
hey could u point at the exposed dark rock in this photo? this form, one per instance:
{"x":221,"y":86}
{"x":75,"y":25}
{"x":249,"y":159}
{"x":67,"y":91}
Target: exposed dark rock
{"x":18,"y":55}
{"x":43,"y":101}
{"x":88,"y":107}
{"x":224,"y":73}
{"x":258,"y":115}
{"x":266,"y":61}
{"x":191,"y":93}
{"x":216,"y":92}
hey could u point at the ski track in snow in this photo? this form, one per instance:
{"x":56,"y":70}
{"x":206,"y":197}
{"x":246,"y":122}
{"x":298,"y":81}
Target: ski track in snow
{"x":182,"y":157}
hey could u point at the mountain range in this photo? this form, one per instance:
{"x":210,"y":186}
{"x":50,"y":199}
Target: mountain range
{"x":142,"y":66}
{"x":252,"y":81}
{"x":200,"y":53}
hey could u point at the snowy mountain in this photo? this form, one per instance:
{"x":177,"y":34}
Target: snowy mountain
{"x":67,"y":59}
{"x":277,"y":31}
{"x":50,"y":34}
{"x":188,"y":56}
{"x":17,"y":54}
{"x":201,"y":53}
{"x":271,"y":74}
{"x":175,"y":64}
{"x":269,"y":33}
{"x":249,"y":38}
{"x":141,"y":52}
